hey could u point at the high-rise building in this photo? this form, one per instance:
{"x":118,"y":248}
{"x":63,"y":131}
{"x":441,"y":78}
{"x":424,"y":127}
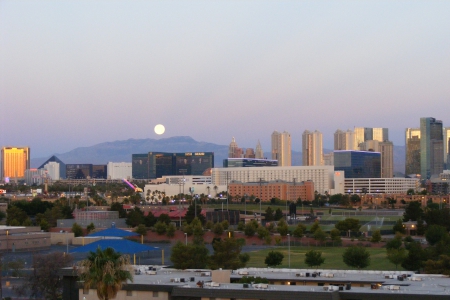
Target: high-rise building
{"x":233,"y":150}
{"x":259,"y":152}
{"x":158,"y":164}
{"x":62,"y":166}
{"x":412,"y":149}
{"x":53,"y":170}
{"x":344,"y":140}
{"x":446,"y":134}
{"x":312,"y":149}
{"x":119,"y":170}
{"x":358,"y":164}
{"x":15,"y":160}
{"x":281,"y":148}
{"x":249,"y":153}
{"x":431,"y":147}
{"x":386,"y":149}
{"x":363,"y":134}
{"x":387,"y":155}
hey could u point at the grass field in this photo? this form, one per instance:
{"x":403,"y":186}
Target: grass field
{"x":332,"y":255}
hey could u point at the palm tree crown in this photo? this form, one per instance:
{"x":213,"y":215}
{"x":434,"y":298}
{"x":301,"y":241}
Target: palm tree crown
{"x":106,"y":270}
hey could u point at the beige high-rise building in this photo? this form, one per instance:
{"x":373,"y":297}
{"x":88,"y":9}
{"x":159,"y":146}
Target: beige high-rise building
{"x":249,"y":153}
{"x":281,"y":148}
{"x":15,"y":160}
{"x":446,"y":134}
{"x":259,"y":152}
{"x":312,"y":149}
{"x":363,"y":134}
{"x":233,"y":150}
{"x":344,"y":140}
{"x":387,"y":159}
{"x":412,"y":149}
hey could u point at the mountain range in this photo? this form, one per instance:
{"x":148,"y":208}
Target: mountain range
{"x":121,"y":151}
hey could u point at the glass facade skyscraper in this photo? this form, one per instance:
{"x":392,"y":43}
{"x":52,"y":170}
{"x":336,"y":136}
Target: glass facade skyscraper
{"x":431,"y":147}
{"x":157,"y":164}
{"x":358,"y":164}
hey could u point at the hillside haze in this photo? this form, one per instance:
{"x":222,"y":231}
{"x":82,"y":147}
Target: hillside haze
{"x":121,"y":151}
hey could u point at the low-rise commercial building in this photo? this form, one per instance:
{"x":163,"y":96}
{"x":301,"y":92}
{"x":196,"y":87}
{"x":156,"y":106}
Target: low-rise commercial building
{"x":266,"y":190}
{"x":154,"y":282}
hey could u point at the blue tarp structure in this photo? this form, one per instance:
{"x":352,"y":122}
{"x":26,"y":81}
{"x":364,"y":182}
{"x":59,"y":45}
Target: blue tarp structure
{"x":122,"y":246}
{"x":113,"y":232}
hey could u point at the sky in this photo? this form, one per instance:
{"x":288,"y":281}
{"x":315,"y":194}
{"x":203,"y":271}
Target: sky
{"x":79,"y":73}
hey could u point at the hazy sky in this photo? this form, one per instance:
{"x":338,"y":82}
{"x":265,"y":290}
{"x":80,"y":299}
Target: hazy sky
{"x":78,"y":73}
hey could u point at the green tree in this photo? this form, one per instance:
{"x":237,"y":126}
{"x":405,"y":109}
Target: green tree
{"x":274,"y":258}
{"x":314,"y":258}
{"x":413,"y":211}
{"x":314,"y":227}
{"x":320,"y":235}
{"x":135,"y":217}
{"x":15,"y":213}
{"x":170,"y":232}
{"x":250,"y":228}
{"x":90,"y":227}
{"x":415,"y":258}
{"x":398,"y":227}
{"x":435,"y":233}
{"x":106,"y":270}
{"x":376,"y":236}
{"x":262,"y":232}
{"x":164,"y":218}
{"x":160,"y":228}
{"x":278,"y":214}
{"x":440,"y":266}
{"x":282,"y":227}
{"x":44,"y":225}
{"x":335,"y":235}
{"x":191,"y":212}
{"x":348,"y":224}
{"x":218,"y":229}
{"x":150,"y":219}
{"x":141,"y":230}
{"x":395,"y":243}
{"x":299,"y":230}
{"x":227,"y":254}
{"x":356,"y":257}
{"x":2,"y":215}
{"x":269,"y":214}
{"x":396,"y":256}
{"x":420,"y":227}
{"x":119,"y":207}
{"x":77,"y":230}
{"x":190,"y":256}
{"x":225,"y":224}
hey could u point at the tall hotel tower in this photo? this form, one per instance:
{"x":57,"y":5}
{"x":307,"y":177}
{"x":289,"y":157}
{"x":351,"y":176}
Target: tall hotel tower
{"x":281,"y":148}
{"x":15,"y":160}
{"x":431,"y":147}
{"x":344,"y":140}
{"x":412,"y":149}
{"x":312,"y":148}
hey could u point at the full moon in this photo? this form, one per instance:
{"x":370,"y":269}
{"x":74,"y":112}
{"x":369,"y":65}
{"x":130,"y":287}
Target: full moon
{"x":159,"y":129}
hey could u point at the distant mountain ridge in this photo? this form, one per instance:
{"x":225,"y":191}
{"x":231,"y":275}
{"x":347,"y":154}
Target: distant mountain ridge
{"x":121,"y":151}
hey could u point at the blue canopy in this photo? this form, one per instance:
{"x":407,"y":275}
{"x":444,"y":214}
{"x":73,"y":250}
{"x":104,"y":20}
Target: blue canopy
{"x":122,"y":246}
{"x":113,"y":232}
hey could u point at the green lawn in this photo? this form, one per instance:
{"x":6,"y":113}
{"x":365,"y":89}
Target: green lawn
{"x":332,"y":255}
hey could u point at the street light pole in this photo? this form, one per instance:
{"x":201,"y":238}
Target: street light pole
{"x":289,"y":250}
{"x":185,"y":236}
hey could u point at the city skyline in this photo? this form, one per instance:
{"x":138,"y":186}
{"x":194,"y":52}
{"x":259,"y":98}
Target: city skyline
{"x":75,"y":74}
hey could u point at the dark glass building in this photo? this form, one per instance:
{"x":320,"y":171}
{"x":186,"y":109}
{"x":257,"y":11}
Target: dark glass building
{"x":78,"y":171}
{"x":157,"y":164}
{"x":249,"y":162}
{"x":99,"y":171}
{"x":358,"y":164}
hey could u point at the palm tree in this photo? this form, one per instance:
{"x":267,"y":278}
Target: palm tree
{"x":106,"y":271}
